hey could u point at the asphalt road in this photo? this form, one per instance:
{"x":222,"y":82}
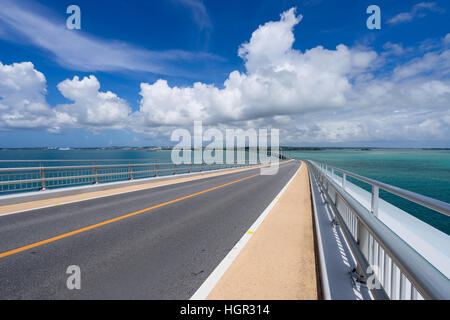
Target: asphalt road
{"x":164,"y":253}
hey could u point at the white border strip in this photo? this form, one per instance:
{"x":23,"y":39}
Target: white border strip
{"x":209,"y":284}
{"x":323,"y":266}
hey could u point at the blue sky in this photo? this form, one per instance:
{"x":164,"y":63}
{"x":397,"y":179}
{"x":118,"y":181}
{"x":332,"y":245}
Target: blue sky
{"x":141,"y":60}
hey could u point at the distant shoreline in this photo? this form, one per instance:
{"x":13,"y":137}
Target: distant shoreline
{"x":170,"y":148}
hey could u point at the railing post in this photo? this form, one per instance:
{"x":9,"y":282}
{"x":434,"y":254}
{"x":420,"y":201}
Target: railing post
{"x":174,"y":169}
{"x":375,"y":200}
{"x":393,"y":288}
{"x":96,"y":175}
{"x":156,"y":169}
{"x":131,"y":172}
{"x":362,"y":239}
{"x":344,"y":179}
{"x":42,"y":175}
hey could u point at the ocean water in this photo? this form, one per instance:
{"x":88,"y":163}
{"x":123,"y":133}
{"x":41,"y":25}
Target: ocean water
{"x":423,"y":171}
{"x":62,"y":158}
{"x":84,"y":156}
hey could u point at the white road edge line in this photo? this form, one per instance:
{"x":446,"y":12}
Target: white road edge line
{"x":210,"y":282}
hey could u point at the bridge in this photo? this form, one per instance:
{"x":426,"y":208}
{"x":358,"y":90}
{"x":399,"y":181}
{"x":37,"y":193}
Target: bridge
{"x":158,"y":231}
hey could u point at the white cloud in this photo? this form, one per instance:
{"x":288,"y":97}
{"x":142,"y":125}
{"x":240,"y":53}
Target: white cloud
{"x":91,"y":108}
{"x":435,"y":63}
{"x":447,"y":39}
{"x":79,"y":51}
{"x":22,"y":97}
{"x":199,"y":12}
{"x":319,"y":95}
{"x":419,"y":10}
{"x":393,"y":49}
{"x":368,"y":127}
{"x":278,"y":80}
{"x":326,"y":95}
{"x":23,"y":102}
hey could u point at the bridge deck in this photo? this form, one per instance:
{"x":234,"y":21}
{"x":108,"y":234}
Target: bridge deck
{"x":279,"y":261}
{"x":156,"y":243}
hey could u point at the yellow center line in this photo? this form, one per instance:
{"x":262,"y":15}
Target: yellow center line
{"x":94,"y":226}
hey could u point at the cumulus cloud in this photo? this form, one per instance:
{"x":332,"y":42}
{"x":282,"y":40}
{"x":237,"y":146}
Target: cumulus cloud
{"x":22,"y":97}
{"x":317,"y":95}
{"x":23,"y":102}
{"x":330,"y":95}
{"x":91,"y":108}
{"x":278,"y":80}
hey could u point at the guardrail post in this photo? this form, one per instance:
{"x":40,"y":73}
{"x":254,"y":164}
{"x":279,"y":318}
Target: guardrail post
{"x":344,"y":179}
{"x":131,"y":172}
{"x":156,"y":170}
{"x":96,"y":175}
{"x":375,"y":200}
{"x":42,"y":175}
{"x":362,"y":240}
{"x":174,"y":169}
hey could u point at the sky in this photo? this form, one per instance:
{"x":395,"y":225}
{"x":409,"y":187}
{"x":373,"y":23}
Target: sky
{"x":138,"y":70}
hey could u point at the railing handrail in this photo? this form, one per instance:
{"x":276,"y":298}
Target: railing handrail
{"x":70,"y":160}
{"x":70,"y":175}
{"x":428,"y":280}
{"x":90,"y":166}
{"x":76,"y":177}
{"x":431,"y":203}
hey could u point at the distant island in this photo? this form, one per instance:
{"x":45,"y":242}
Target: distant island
{"x":169,"y":148}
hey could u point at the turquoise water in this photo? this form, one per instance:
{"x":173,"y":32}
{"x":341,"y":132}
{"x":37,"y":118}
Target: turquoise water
{"x":119,"y":155}
{"x":59,"y":158}
{"x":423,"y":171}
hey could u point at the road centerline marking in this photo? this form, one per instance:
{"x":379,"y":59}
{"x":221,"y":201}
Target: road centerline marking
{"x":100,"y":224}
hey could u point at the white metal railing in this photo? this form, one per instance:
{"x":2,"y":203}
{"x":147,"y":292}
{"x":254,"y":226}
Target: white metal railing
{"x":403,"y":274}
{"x":33,"y":178}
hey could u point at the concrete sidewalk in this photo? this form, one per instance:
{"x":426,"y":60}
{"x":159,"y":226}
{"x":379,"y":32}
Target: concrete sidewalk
{"x":279,"y":260}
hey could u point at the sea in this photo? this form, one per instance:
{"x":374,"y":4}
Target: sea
{"x":425,"y":172}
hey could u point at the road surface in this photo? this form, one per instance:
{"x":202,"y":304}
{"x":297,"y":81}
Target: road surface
{"x":160,"y":243}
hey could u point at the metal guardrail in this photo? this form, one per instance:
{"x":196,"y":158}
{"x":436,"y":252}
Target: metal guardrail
{"x":402,"y":273}
{"x":20,"y":179}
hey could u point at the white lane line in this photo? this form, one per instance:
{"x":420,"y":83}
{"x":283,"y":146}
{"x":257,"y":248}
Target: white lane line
{"x":209,"y":284}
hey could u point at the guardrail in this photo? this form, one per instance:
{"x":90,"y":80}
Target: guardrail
{"x":401,"y":272}
{"x":20,"y":179}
